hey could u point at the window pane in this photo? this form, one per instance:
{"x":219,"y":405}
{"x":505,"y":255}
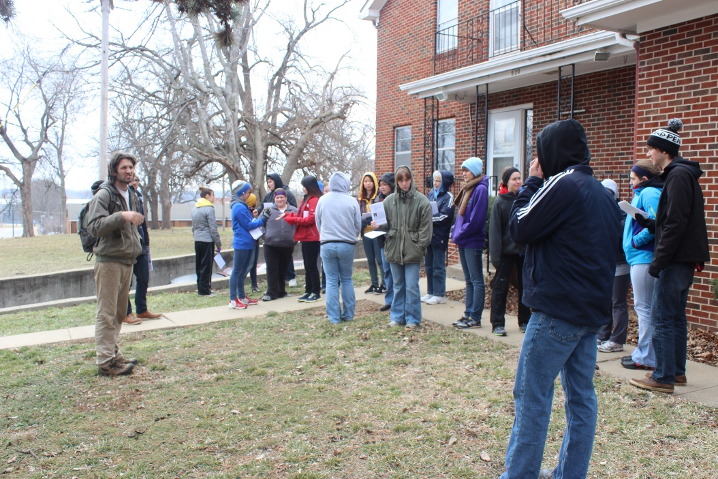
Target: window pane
{"x":504,"y":137}
{"x":445,"y":140}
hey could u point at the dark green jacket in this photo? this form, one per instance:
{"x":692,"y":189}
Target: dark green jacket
{"x":409,"y":225}
{"x":119,"y":240}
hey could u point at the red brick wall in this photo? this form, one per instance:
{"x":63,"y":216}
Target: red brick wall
{"x":678,"y":78}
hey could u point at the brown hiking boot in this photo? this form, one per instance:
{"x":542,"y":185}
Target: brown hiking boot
{"x":129,"y":319}
{"x":149,"y":315}
{"x":113,"y":368}
{"x":652,"y":385}
{"x":681,"y":380}
{"x":123,"y":360}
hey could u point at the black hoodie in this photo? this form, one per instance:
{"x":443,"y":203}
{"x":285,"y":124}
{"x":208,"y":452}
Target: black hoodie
{"x":269,"y":197}
{"x":681,"y":234}
{"x":572,"y":228}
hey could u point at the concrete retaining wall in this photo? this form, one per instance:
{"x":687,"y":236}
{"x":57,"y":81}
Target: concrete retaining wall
{"x":62,"y":285}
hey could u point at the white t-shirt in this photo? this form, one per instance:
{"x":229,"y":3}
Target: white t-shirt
{"x":126,"y":196}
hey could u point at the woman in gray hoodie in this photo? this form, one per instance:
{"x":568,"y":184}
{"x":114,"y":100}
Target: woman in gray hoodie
{"x":206,"y":237}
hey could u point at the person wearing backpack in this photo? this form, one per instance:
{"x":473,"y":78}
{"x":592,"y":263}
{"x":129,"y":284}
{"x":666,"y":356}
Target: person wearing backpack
{"x":113,"y":217}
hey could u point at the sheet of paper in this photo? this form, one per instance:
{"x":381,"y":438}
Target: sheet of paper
{"x":434,"y":207}
{"x":268,"y":205}
{"x":256,"y":233}
{"x":377,"y":213}
{"x":219,"y":260}
{"x":374,"y":234}
{"x":631,"y":210}
{"x":366,"y":215}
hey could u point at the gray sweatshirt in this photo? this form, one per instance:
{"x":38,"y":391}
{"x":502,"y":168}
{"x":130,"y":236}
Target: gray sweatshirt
{"x":279,"y":234}
{"x":204,"y":225}
{"x":337,"y":215}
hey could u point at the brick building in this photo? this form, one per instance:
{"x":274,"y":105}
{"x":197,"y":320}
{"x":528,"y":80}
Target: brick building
{"x":457,"y":78}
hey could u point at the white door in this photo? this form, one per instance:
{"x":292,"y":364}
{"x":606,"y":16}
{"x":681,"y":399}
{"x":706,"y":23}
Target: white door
{"x":506,"y":143}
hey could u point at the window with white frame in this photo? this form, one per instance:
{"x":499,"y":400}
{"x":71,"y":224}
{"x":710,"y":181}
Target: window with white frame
{"x":445,"y":142}
{"x":402,"y":146}
{"x":504,"y":24}
{"x":447,"y":25}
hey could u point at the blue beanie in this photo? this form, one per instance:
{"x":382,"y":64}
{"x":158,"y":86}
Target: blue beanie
{"x":474,"y":165}
{"x":321,"y":186}
{"x":240,"y":187}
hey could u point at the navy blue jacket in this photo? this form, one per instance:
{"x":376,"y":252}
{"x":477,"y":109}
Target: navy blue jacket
{"x":572,"y":228}
{"x":442,"y":220}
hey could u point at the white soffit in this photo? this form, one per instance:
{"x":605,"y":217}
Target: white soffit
{"x":530,"y":67}
{"x":371,"y":9}
{"x":638,"y":16}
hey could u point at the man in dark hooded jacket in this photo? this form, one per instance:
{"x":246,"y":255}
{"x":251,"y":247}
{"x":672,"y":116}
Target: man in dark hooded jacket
{"x":571,"y":226}
{"x":681,"y":249}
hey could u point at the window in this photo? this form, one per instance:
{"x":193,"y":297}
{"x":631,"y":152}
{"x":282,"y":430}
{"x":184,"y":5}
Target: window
{"x":504,"y":26}
{"x":445,"y":141}
{"x":447,"y":25}
{"x":402,"y":146}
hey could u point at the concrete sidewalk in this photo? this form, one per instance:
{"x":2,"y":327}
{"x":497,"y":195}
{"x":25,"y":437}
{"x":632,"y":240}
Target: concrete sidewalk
{"x":702,"y":379}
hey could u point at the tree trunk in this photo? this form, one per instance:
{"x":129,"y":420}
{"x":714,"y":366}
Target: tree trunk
{"x":28,"y":228}
{"x":166,"y":197}
{"x":151,"y":198}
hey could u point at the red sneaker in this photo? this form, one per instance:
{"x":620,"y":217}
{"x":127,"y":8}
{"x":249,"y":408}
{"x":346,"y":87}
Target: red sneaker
{"x":249,"y":301}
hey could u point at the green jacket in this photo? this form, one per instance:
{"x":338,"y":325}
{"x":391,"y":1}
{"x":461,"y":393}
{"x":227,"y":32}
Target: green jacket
{"x":119,"y":240}
{"x":409,"y":225}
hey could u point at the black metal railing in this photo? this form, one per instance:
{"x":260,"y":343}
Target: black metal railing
{"x":518,"y":26}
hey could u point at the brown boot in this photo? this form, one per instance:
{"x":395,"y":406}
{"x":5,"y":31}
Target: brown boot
{"x":149,"y":315}
{"x":129,"y":319}
{"x":123,"y":360}
{"x":112,"y":368}
{"x":652,"y":385}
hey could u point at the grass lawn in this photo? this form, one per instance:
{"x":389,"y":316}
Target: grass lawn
{"x":290,"y":396}
{"x":47,"y":254}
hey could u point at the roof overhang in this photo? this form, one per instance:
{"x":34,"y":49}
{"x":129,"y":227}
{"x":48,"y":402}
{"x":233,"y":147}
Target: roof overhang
{"x":530,"y":67}
{"x":371,"y":10}
{"x":638,"y":16}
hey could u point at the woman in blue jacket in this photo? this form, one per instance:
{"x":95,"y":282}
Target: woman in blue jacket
{"x":435,"y":260}
{"x":243,"y":244}
{"x":638,"y":244}
{"x":469,"y":235}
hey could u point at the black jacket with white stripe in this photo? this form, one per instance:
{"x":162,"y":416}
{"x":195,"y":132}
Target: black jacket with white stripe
{"x":572,"y":228}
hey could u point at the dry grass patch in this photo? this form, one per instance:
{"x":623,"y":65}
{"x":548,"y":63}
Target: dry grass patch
{"x":289,"y":395}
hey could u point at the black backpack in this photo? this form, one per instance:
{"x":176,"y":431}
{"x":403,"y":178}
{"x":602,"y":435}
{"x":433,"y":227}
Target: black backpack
{"x":88,"y":241}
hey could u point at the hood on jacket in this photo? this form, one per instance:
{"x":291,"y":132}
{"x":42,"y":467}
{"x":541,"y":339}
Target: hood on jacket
{"x":388,"y":178}
{"x":339,"y":183}
{"x":278,"y":183}
{"x":204,"y":202}
{"x":560,"y":145}
{"x":410,"y":192}
{"x":655,"y":182}
{"x":362,"y":190}
{"x":693,"y":166}
{"x":447,"y":179}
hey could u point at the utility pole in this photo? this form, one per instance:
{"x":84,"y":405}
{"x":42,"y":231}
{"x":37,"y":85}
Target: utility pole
{"x":107,"y":5}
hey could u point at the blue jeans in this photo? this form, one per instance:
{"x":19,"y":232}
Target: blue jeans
{"x":435,"y":267}
{"x":643,"y":284}
{"x":373,"y":257}
{"x":141,"y":271}
{"x":552,"y":346}
{"x":240,"y":267}
{"x":668,"y":321}
{"x":474,"y":277}
{"x":388,"y":280}
{"x":338,"y":260}
{"x":406,"y":306}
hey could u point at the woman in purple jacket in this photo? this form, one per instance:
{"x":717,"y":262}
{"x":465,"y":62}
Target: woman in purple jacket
{"x":469,"y":235}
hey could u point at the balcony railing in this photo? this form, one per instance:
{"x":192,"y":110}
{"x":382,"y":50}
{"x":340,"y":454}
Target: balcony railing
{"x":518,"y":26}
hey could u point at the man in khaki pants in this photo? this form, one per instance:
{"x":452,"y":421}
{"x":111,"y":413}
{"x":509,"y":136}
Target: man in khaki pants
{"x":115,"y":253}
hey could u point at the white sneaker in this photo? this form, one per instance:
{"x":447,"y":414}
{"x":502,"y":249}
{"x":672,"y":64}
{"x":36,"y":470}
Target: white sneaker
{"x":610,"y":347}
{"x":292,"y":283}
{"x":436,"y":300}
{"x":426,"y":298}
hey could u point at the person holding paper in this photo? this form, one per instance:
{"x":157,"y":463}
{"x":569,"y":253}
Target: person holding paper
{"x":386,"y":187}
{"x":442,"y":219}
{"x":307,"y":233}
{"x":408,"y":227}
{"x":206,"y":237}
{"x":469,"y":234}
{"x":505,"y":255}
{"x":639,"y":244}
{"x":278,"y":245}
{"x":274,"y":181}
{"x":243,"y":244}
{"x":368,"y":193}
{"x":252,"y":203}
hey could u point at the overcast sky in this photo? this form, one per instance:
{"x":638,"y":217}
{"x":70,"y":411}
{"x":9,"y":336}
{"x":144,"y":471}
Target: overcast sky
{"x":39,"y":18}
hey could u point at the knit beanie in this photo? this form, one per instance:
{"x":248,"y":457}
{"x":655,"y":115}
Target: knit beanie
{"x":507,"y":174}
{"x":611,"y":186}
{"x":474,"y":165}
{"x":667,"y":139}
{"x":240,"y":187}
{"x":251,"y":200}
{"x":321,"y":186}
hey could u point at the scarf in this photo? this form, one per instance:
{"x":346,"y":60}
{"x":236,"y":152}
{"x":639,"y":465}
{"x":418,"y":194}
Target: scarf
{"x":462,"y":199}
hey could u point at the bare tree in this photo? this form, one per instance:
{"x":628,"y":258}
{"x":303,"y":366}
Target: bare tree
{"x":25,"y":130}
